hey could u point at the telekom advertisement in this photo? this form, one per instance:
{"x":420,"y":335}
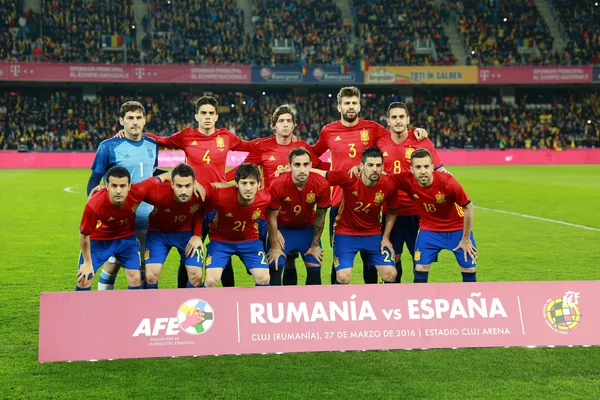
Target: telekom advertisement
{"x":13,"y":159}
{"x":131,"y":73}
{"x":190,"y":322}
{"x":535,"y":75}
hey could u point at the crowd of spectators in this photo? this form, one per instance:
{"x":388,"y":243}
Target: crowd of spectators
{"x":64,"y":120}
{"x":493,"y":33}
{"x":580,"y":22}
{"x":389,"y":29}
{"x":196,"y":32}
{"x":316,"y":27}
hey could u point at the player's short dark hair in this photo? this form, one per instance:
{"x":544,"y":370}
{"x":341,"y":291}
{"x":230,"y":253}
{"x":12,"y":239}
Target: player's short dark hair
{"x":283,"y":109}
{"x":117,"y":172}
{"x":207,"y":100}
{"x":247,"y":170}
{"x":131,"y":106}
{"x":348,"y":91}
{"x":373,"y":152}
{"x":396,"y":104}
{"x":420,"y":153}
{"x":298,"y":151}
{"x":183,"y":170}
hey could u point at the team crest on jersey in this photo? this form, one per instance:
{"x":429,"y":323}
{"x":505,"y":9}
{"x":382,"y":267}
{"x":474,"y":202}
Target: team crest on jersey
{"x":98,"y":223}
{"x":364,"y":135}
{"x":220,"y":143}
{"x":440,"y":198}
{"x":417,"y":255}
{"x":310,"y":198}
{"x":336,"y":262}
{"x":208,"y":260}
{"x":408,"y":153}
{"x":134,"y":208}
{"x":146,"y":254}
{"x":194,"y":208}
{"x":379,"y":197}
{"x":150,"y":154}
{"x":256,"y":214}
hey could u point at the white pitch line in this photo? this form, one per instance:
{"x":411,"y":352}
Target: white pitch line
{"x":555,"y":221}
{"x":70,"y":189}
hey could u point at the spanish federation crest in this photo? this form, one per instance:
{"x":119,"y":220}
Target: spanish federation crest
{"x":256,"y":214}
{"x":364,"y":135}
{"x":194,"y":208}
{"x":408,"y":153}
{"x":379,"y":197}
{"x":310,"y":198}
{"x":220,"y":143}
{"x":440,"y":198}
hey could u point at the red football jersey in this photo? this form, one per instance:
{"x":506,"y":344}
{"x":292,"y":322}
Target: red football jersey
{"x":360,"y":210}
{"x":102,"y":220}
{"x":235,"y":222}
{"x":207,"y":154}
{"x":297,"y":207}
{"x":269,"y":155}
{"x":346,"y":145}
{"x":440,"y":205}
{"x":396,"y":159}
{"x":169,"y":215}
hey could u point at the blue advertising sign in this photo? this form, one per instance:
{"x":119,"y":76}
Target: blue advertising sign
{"x":596,"y":74}
{"x":310,"y":75}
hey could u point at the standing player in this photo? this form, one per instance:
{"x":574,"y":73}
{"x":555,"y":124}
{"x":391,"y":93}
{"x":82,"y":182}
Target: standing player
{"x":345,"y":139}
{"x":175,"y":221}
{"x":139,"y":155}
{"x":234,"y":230}
{"x":397,"y":149}
{"x":292,"y":211}
{"x":271,"y":154}
{"x":206,"y":151}
{"x":358,"y":225}
{"x":446,"y":216}
{"x":108,"y":227}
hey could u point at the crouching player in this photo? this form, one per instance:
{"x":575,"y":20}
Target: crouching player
{"x":293,"y":199}
{"x":446,"y":216}
{"x":234,"y":230}
{"x":108,"y":227}
{"x":175,"y":221}
{"x":357,"y":226}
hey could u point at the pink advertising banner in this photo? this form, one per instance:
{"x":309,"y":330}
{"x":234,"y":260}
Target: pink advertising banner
{"x":534,"y":75}
{"x":131,"y":73}
{"x":14,"y":159}
{"x":190,"y":322}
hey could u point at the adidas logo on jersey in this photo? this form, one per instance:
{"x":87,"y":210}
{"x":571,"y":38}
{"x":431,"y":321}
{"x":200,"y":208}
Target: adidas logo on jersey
{"x":126,"y":156}
{"x":416,"y":196}
{"x":287,"y":199}
{"x":272,"y":158}
{"x":110,"y":219}
{"x":167,"y":210}
{"x":194,"y":143}
{"x":355,"y":193}
{"x":385,"y":154}
{"x":337,"y":139}
{"x":229,"y":215}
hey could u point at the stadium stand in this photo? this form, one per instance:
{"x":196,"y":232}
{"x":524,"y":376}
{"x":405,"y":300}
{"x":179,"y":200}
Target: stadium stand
{"x":63,"y":120}
{"x":581,"y":25}
{"x":389,"y":30}
{"x":197,"y":32}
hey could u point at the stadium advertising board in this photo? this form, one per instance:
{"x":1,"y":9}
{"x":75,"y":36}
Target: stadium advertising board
{"x":297,"y":75}
{"x":449,"y":75}
{"x":534,"y":75}
{"x":596,"y":74}
{"x":140,"y":73}
{"x":190,"y":322}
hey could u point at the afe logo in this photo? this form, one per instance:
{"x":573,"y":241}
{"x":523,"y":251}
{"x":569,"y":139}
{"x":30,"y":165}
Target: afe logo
{"x":140,"y":72}
{"x":15,"y":70}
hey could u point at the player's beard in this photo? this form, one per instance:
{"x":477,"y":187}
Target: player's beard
{"x":183,"y":198}
{"x":302,"y":178}
{"x":350,"y":119}
{"x":374,"y":177}
{"x":424,"y":180}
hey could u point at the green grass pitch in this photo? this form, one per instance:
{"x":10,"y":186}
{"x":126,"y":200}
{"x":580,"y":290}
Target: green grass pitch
{"x":38,"y":251}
